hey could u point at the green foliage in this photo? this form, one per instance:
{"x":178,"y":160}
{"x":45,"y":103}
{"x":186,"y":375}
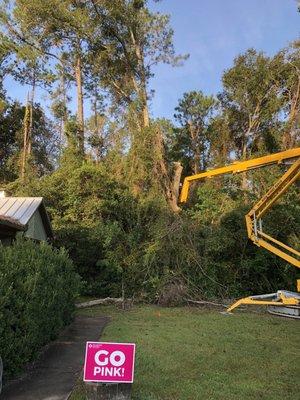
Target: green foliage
{"x":252,"y":101}
{"x":120,"y":242}
{"x":135,"y":39}
{"x":94,"y":217}
{"x":87,"y":194}
{"x":109,"y":206}
{"x":98,"y":252}
{"x":11,"y":130}
{"x":38,"y":287}
{"x":212,"y":203}
{"x":233,"y":260}
{"x":192,"y":141}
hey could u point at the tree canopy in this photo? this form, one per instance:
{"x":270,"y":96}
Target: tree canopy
{"x":110,"y":172}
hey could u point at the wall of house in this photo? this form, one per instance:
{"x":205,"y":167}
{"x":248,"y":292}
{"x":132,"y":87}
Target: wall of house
{"x":35,"y":228}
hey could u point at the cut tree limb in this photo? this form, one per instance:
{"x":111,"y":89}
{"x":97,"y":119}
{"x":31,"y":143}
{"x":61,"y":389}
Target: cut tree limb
{"x":203,"y":302}
{"x":107,"y":300}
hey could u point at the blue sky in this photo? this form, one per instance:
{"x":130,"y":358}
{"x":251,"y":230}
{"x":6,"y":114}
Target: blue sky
{"x":213,"y":32}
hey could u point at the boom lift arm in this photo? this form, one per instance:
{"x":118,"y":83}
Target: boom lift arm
{"x":254,"y":217}
{"x":254,"y":220}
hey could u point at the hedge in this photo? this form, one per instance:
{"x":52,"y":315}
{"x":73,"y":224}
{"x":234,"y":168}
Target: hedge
{"x":38,"y":287}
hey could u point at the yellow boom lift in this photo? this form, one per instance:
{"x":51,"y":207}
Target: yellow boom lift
{"x":282,"y":302}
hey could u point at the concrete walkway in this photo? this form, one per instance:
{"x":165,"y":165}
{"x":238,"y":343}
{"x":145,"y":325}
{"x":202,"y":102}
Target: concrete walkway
{"x":58,"y":368}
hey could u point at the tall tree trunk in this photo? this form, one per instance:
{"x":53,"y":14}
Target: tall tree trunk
{"x":64,"y":102}
{"x":245,"y":185}
{"x":175,"y":186}
{"x":97,"y":129}
{"x":80,"y":115}
{"x":31,"y":108}
{"x":26,"y":129}
{"x":197,"y":158}
{"x":141,"y":89}
{"x":170,"y":186}
{"x":290,"y":136}
{"x":145,"y":109}
{"x":195,"y":147}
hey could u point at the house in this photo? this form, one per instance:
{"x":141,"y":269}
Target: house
{"x":23,"y":215}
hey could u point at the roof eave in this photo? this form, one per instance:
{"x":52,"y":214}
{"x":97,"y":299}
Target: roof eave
{"x":11,"y":223}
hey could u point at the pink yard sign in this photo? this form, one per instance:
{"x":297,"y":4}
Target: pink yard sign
{"x":109,"y":362}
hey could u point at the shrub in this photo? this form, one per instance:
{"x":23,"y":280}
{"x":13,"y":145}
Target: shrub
{"x":91,"y":248}
{"x":38,"y":287}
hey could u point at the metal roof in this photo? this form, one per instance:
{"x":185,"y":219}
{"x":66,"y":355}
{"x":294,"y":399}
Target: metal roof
{"x":21,"y":209}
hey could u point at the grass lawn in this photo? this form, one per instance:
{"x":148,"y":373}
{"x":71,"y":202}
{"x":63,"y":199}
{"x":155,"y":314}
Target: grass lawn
{"x":193,"y":354}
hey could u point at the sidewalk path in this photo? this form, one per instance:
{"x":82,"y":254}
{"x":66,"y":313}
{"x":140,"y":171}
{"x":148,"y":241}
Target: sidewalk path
{"x":56,"y":371}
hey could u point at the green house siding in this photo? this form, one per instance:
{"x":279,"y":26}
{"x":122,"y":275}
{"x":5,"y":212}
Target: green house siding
{"x":36,"y":228}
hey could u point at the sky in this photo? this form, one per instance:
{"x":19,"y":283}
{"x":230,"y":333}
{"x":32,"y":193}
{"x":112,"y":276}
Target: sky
{"x":213,"y":32}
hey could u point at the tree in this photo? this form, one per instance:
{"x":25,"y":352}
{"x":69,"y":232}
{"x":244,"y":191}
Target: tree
{"x":50,"y":30}
{"x":27,"y":65}
{"x":251,"y":104}
{"x":3,"y":71}
{"x":134,"y":41}
{"x":289,"y":87}
{"x":10,"y":122}
{"x":220,"y":141}
{"x":96,"y":124}
{"x":43,"y":154}
{"x":250,"y":99}
{"x":60,"y":98}
{"x":194,"y":113}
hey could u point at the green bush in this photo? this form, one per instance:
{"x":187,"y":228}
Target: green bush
{"x":121,"y":243}
{"x":38,"y":287}
{"x":93,"y":250}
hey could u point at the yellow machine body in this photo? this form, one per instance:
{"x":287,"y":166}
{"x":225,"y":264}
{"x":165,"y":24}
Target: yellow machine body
{"x":254,"y":218}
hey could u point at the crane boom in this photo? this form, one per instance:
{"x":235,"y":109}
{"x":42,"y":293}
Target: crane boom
{"x":286,"y":300}
{"x":238,"y":167}
{"x":254,"y":218}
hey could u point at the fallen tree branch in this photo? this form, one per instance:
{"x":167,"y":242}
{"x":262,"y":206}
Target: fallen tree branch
{"x":203,"y":302}
{"x":107,"y":300}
